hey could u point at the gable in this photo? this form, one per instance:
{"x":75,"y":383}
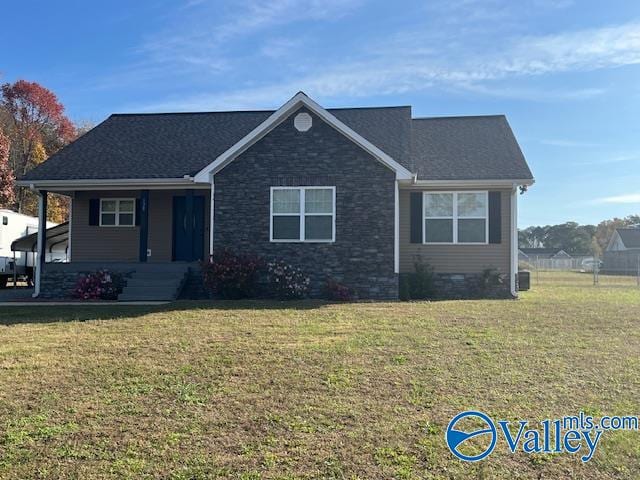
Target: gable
{"x":292,"y":106}
{"x":319,"y":156}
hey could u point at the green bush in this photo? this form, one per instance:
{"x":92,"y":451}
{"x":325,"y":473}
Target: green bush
{"x":417,"y":285}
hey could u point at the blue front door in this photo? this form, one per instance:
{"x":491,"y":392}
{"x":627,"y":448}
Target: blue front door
{"x":188,"y":228}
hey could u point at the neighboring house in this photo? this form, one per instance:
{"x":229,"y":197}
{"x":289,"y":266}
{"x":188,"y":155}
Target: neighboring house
{"x":622,"y":254}
{"x":541,"y":253}
{"x":549,"y":258}
{"x":354,"y":194}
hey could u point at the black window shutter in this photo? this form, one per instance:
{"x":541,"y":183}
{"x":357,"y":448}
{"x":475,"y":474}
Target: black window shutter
{"x":416,"y":217}
{"x":138,"y":211}
{"x":94,"y":211}
{"x":495,"y":217}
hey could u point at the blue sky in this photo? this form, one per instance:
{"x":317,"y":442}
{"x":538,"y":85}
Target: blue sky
{"x":566,"y":73}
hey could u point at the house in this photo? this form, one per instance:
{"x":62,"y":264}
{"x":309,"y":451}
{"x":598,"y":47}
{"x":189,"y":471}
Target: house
{"x":355,"y":194}
{"x":548,"y":258}
{"x":622,"y":255}
{"x":531,"y":254}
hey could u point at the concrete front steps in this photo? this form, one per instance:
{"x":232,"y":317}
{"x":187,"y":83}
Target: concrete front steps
{"x":155,"y":282}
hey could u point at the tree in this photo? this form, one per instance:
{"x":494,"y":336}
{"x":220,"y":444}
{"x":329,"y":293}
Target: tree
{"x":57,"y":205}
{"x":35,"y":120}
{"x":605,"y":229}
{"x":574,"y":238}
{"x":7,"y":180}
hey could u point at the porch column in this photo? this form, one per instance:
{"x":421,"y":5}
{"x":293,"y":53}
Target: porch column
{"x":42,"y":239}
{"x":188,"y":213}
{"x":144,"y":225}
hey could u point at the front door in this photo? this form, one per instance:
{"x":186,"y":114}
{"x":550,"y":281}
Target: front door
{"x":188,"y":228}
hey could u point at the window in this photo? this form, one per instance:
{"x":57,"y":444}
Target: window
{"x":117,"y":212}
{"x":456,"y":217}
{"x":303,"y":214}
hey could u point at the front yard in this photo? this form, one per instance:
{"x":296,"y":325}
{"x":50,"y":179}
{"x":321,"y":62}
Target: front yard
{"x":311,"y":390}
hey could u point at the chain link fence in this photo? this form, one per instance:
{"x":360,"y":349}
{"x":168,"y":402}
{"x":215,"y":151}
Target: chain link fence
{"x":584,"y":271}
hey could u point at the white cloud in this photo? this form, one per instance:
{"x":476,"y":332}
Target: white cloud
{"x":397,"y":69}
{"x":562,"y":142}
{"x":620,"y":199}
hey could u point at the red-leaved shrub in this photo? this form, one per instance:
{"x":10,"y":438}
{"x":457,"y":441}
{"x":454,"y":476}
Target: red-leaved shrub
{"x":232,"y":276}
{"x":337,"y":291}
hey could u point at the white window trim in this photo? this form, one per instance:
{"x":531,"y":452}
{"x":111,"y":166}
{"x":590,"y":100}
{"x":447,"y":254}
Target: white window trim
{"x":117,"y":212}
{"x":302,"y":215}
{"x":455,"y":217}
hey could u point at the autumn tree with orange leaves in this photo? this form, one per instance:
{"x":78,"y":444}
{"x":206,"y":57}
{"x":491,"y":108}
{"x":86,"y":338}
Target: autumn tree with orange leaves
{"x":34,"y":119}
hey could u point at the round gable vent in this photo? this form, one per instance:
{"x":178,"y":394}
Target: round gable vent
{"x":302,"y":122}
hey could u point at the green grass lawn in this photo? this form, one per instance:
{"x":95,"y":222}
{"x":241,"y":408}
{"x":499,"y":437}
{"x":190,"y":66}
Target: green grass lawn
{"x":312,"y":390}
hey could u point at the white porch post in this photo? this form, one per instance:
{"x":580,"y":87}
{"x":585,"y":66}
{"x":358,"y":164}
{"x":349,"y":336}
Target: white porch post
{"x":42,"y":239}
{"x":212,"y":216}
{"x":514,"y":239}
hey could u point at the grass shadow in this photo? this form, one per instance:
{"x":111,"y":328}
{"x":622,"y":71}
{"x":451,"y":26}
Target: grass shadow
{"x":15,"y":315}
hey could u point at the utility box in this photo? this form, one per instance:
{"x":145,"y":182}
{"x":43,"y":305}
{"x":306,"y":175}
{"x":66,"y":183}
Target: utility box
{"x":524,"y":280}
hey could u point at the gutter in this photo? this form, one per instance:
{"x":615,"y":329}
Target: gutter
{"x":469,"y":183}
{"x":88,"y":184}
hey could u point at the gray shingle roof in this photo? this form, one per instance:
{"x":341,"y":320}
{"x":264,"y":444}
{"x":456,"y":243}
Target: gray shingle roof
{"x":630,"y":237}
{"x":467,"y":148}
{"x":171,"y":145}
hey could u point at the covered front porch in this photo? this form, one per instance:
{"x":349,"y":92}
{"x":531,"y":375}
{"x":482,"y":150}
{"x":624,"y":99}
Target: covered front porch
{"x":115,"y":227}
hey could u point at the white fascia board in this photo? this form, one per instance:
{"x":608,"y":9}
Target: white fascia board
{"x":298,"y":100}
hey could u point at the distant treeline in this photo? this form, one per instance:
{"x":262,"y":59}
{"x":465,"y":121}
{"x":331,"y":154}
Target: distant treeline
{"x":574,"y":238}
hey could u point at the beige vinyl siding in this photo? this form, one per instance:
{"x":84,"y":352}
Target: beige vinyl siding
{"x":95,"y":243}
{"x":456,"y":258}
{"x":122,"y":244}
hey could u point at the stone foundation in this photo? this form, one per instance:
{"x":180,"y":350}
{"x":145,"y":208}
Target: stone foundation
{"x":467,"y":286}
{"x":470,"y":285}
{"x":59,"y":280}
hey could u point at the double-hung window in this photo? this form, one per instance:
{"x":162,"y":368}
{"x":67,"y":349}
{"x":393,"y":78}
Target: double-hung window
{"x":117,"y":212}
{"x":303,"y":214}
{"x":456,"y":217}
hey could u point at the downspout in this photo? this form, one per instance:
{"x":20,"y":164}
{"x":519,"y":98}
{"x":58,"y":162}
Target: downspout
{"x":514,"y":240}
{"x":396,"y":229}
{"x":211,"y":215}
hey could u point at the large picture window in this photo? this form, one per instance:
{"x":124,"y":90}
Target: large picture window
{"x":303,"y":214}
{"x":117,"y":212}
{"x":456,"y":217}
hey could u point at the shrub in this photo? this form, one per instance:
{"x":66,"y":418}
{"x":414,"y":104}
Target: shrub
{"x":232,"y":276}
{"x":285,"y":281}
{"x":489,"y":278}
{"x":404,"y":290}
{"x":337,"y":291}
{"x":419,"y":284}
{"x":99,"y":285}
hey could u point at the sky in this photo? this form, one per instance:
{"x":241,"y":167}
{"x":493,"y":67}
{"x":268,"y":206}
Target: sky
{"x":565,"y":72}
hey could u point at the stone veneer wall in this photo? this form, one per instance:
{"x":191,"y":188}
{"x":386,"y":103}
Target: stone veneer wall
{"x":362,"y":256}
{"x":58,"y":280}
